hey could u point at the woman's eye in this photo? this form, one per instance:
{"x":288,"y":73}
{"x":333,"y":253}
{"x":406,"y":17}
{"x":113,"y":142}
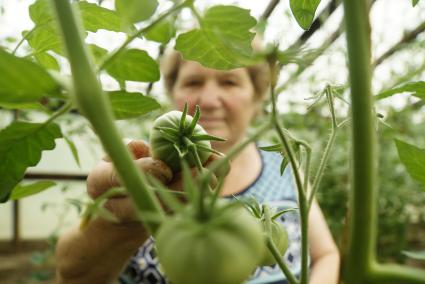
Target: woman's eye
{"x":193,"y":83}
{"x":229,"y":83}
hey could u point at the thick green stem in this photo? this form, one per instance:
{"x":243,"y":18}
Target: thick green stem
{"x":144,"y":30}
{"x":302,"y":199}
{"x":362,"y":214}
{"x":273,"y":249}
{"x":396,"y":274}
{"x":93,"y":104}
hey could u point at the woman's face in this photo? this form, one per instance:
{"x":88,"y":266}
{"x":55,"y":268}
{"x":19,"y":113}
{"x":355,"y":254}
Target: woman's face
{"x":226,"y":99}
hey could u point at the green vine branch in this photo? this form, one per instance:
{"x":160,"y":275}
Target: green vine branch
{"x":302,"y":200}
{"x":328,"y":148}
{"x":273,"y":249}
{"x":93,"y":103}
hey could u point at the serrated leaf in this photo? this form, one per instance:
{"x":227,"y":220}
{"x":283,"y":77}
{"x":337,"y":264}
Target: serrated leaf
{"x":133,"y":11}
{"x":21,"y":144}
{"x":301,"y":56}
{"x":96,"y":17}
{"x":46,"y":37}
{"x":47,"y":61}
{"x":128,"y":105}
{"x":33,"y":106}
{"x":22,"y":80}
{"x":73,"y":149}
{"x":416,"y":89}
{"x":413,"y":159}
{"x":223,"y":41}
{"x":97,"y":52}
{"x":41,"y":12}
{"x":303,"y":11}
{"x":419,"y":255}
{"x":134,"y":65}
{"x":21,"y":191}
{"x":162,"y":32}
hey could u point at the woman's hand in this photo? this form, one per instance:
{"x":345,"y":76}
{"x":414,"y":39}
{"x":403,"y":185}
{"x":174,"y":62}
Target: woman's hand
{"x":104,"y":177}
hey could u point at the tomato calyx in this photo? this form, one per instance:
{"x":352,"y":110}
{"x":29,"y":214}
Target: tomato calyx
{"x":273,"y":231}
{"x":176,"y":136}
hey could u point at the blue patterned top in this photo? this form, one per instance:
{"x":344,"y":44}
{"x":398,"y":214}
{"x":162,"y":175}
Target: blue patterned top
{"x":278,"y":191}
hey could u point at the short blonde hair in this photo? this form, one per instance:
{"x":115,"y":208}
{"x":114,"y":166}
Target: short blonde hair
{"x":259,"y":74}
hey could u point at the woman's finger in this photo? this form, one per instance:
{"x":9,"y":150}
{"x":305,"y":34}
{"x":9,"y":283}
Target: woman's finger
{"x":104,"y":176}
{"x":138,"y":149}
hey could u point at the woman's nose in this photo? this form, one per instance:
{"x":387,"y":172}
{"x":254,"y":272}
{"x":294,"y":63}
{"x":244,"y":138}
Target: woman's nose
{"x":210,"y":96}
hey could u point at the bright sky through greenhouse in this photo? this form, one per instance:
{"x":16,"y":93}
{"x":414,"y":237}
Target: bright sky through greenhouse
{"x":388,"y":28}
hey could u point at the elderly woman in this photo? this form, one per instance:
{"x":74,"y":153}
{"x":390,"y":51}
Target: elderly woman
{"x":229,"y":100}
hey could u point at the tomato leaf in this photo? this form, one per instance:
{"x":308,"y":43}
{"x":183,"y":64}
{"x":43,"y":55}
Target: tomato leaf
{"x":223,"y":41}
{"x":96,"y":17}
{"x":420,"y":255}
{"x":133,"y":11}
{"x":21,"y":191}
{"x":41,"y":12}
{"x":273,"y":148}
{"x":21,"y":144}
{"x":45,"y":37}
{"x":134,"y":65}
{"x":128,"y":105}
{"x":47,"y":61}
{"x":73,"y":149}
{"x":97,"y":52}
{"x":22,"y":106}
{"x":303,"y":11}
{"x":413,"y":159}
{"x":416,"y":89}
{"x":22,"y":80}
{"x":162,"y":32}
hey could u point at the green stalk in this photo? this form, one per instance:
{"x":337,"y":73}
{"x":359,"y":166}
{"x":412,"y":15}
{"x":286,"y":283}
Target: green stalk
{"x":144,"y":30}
{"x":302,"y":199}
{"x":64,"y":109}
{"x":396,"y":274}
{"x":328,"y":148}
{"x":307,"y":163}
{"x":362,"y":214}
{"x":273,"y":249}
{"x":26,"y":36}
{"x":204,"y":186}
{"x":93,"y":104}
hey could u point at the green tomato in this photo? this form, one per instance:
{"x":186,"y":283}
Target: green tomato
{"x":164,"y":149}
{"x":224,"y":249}
{"x":280,"y":239}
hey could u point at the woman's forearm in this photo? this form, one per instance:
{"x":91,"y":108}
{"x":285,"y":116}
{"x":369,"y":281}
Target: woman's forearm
{"x":326,"y":269}
{"x":98,"y":253}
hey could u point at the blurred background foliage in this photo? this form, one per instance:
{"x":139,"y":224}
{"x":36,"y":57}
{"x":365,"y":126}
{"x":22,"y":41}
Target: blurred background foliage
{"x":401,"y":199}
